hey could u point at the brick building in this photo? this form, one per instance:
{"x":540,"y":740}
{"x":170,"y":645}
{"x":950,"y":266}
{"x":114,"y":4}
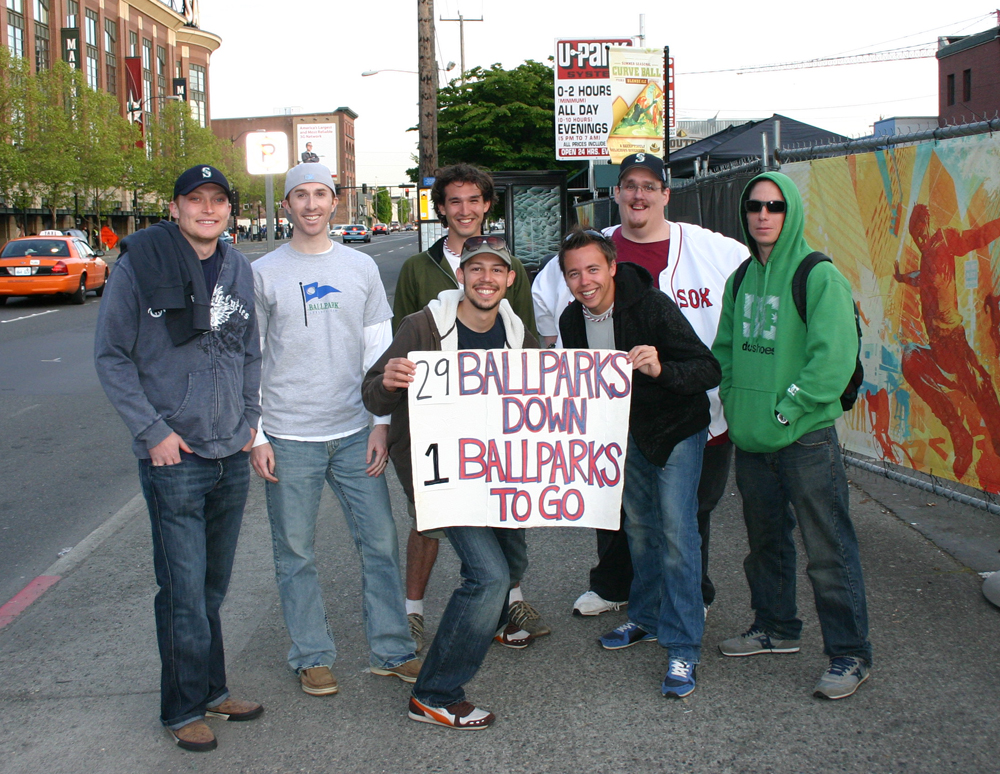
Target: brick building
{"x":330,"y":135}
{"x":969,"y":77}
{"x":157,"y":40}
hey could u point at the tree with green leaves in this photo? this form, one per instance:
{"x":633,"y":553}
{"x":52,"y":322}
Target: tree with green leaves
{"x":403,"y":209}
{"x":50,"y":145}
{"x":383,"y":205}
{"x":500,"y":119}
{"x":14,"y":80}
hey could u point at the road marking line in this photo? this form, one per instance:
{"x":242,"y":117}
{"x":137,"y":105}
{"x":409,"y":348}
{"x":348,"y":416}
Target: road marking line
{"x":29,"y":316}
{"x":23,"y":599}
{"x":25,"y":410}
{"x":65,"y":565}
{"x":57,"y":360}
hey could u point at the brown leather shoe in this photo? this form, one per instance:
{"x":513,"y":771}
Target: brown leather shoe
{"x":407,"y":671}
{"x":236,"y":709}
{"x":195,"y":736}
{"x":318,"y":681}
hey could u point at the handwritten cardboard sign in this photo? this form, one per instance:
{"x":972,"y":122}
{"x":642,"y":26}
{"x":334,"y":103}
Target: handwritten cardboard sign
{"x":519,"y":438}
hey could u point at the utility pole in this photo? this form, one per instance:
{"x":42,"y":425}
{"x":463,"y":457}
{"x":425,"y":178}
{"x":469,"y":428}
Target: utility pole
{"x":428,"y":77}
{"x":461,"y":36}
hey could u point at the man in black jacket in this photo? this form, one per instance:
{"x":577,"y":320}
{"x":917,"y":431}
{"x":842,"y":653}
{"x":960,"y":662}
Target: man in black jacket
{"x":617,"y":307}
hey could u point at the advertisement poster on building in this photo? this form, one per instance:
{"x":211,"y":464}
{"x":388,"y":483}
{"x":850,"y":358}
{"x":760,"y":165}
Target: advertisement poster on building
{"x":519,"y":438}
{"x":317,"y":142}
{"x":583,"y":114}
{"x":637,"y":102}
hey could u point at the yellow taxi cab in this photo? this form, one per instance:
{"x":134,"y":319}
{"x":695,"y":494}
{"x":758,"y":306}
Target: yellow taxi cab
{"x":51,"y":263}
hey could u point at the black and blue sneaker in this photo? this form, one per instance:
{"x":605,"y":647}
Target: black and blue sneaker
{"x":625,"y":636}
{"x":679,"y":680}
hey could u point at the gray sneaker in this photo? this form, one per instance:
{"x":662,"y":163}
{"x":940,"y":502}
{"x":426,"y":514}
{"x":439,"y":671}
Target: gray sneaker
{"x":754,"y":641}
{"x":416,"y":629}
{"x":842,"y":678}
{"x":526,"y":617}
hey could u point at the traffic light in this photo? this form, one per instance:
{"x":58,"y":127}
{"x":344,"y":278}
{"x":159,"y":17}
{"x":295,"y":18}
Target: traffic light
{"x":364,"y":188}
{"x":235,"y":201}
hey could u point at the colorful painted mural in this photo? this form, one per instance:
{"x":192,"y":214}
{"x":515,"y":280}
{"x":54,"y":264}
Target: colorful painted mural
{"x":916,"y":230}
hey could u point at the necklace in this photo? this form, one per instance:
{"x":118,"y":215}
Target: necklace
{"x":601,"y":317}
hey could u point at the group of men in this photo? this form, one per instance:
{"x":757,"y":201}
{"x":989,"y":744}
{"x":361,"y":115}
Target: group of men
{"x":297,"y":368}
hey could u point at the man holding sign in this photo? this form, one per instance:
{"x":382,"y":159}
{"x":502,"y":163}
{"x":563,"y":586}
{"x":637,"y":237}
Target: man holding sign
{"x":617,"y":307}
{"x":474,"y":317}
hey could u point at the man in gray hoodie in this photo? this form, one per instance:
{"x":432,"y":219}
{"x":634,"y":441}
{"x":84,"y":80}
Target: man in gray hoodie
{"x":178,"y":354}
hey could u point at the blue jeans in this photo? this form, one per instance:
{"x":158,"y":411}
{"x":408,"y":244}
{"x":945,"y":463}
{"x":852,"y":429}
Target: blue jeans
{"x":808,"y":476}
{"x":661,"y":521}
{"x":475,"y":611}
{"x":292,"y":506}
{"x":195,"y":511}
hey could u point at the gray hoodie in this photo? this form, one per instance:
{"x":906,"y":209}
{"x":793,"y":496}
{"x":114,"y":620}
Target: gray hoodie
{"x":206,"y":390}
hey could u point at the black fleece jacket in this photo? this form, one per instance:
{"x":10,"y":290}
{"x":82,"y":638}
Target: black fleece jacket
{"x":673,"y":406}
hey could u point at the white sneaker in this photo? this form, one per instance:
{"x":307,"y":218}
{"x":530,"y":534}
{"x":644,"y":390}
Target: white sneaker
{"x":591,"y":603}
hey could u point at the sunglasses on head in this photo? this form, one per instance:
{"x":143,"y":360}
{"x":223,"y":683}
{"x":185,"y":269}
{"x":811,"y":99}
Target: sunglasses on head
{"x":588,"y":232}
{"x":475,"y":242}
{"x":754,"y":205}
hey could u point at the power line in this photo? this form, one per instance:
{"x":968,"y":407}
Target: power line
{"x":919,"y":51}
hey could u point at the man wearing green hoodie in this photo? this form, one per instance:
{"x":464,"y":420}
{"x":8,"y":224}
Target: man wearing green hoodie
{"x":781,"y":384}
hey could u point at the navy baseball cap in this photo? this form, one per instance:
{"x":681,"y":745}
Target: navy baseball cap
{"x":200,"y":175}
{"x":650,"y":161}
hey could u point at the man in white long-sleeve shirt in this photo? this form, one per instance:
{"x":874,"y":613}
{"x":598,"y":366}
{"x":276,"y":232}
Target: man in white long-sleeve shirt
{"x":324,"y":320}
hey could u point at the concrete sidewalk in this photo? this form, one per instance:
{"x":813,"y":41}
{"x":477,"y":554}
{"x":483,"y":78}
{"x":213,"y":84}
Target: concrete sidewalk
{"x":79,"y":672}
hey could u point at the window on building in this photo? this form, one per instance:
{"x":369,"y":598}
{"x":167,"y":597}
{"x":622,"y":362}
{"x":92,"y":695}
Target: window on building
{"x":196,"y":95}
{"x":950,"y":89}
{"x":966,"y":85}
{"x":72,"y":12}
{"x":147,"y":73}
{"x":90,"y":26}
{"x":41,"y":35}
{"x":161,"y":71}
{"x":15,"y":27}
{"x":111,"y":55}
{"x":133,"y":43}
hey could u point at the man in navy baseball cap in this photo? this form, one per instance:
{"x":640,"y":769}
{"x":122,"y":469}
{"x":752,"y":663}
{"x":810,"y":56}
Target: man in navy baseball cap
{"x":651,"y":162}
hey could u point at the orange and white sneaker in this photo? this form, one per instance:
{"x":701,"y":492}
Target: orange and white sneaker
{"x":463,"y":715}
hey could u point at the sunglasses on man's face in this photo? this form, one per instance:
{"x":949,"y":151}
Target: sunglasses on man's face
{"x":475,"y":242}
{"x":754,"y":205}
{"x":589,"y":232}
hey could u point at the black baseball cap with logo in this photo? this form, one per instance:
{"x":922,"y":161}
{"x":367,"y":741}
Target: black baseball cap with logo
{"x":200,"y":175}
{"x":648,"y":160}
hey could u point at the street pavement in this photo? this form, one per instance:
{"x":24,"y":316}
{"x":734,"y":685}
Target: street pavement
{"x":79,"y":670}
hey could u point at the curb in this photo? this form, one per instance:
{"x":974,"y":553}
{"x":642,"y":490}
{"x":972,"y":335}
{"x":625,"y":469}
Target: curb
{"x":66,"y":564}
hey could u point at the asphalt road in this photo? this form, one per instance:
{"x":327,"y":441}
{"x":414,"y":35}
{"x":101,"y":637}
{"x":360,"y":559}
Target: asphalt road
{"x":65,"y":457}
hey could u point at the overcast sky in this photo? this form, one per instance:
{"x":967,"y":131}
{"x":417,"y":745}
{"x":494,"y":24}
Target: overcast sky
{"x":308,"y":56}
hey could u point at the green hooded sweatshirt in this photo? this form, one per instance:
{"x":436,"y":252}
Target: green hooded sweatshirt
{"x":772,"y":362}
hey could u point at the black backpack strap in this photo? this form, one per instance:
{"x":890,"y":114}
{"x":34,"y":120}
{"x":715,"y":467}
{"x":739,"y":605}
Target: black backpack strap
{"x":738,"y":276}
{"x":800,"y":279}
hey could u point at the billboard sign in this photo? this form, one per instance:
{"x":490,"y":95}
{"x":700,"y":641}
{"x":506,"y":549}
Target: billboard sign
{"x":638,"y":103}
{"x":317,"y":143}
{"x":583,"y":114}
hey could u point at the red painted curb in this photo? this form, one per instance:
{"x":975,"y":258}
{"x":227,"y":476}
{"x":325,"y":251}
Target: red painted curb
{"x":25,"y":597}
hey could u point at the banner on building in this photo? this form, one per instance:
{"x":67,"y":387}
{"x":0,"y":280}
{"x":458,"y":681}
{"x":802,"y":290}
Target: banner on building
{"x":583,"y":113}
{"x":134,"y":93}
{"x":317,"y":142}
{"x":181,"y":88}
{"x":71,"y":46}
{"x":916,"y":231}
{"x":637,"y":102}
{"x":519,"y":438}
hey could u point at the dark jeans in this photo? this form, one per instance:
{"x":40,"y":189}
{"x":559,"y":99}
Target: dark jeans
{"x":195,"y":510}
{"x":808,"y":476}
{"x":611,"y":578}
{"x":474,"y":613}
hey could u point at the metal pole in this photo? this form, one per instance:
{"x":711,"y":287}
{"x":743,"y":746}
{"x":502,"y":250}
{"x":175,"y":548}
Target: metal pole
{"x":666,"y":105}
{"x":777,"y":143}
{"x":269,"y":197}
